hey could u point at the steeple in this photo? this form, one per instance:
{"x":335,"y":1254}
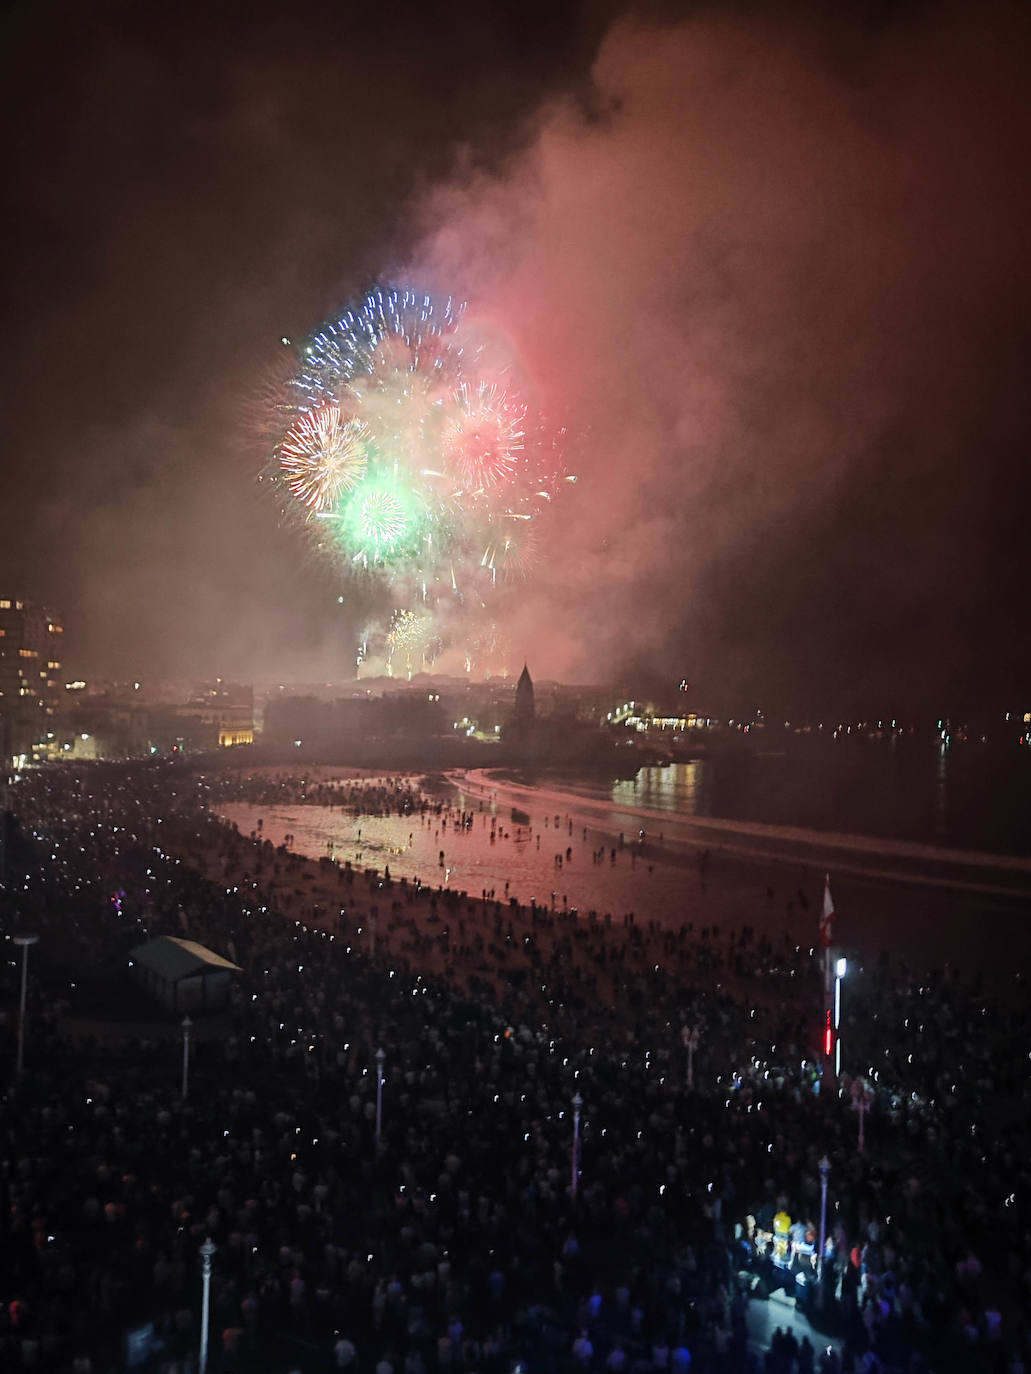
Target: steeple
{"x":524,"y":703}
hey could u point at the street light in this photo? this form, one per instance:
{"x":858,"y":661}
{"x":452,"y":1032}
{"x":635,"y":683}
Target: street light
{"x":25,"y":941}
{"x":839,"y":973}
{"x":578,"y":1103}
{"x":825,"y":1168}
{"x":206,"y":1250}
{"x":690,"y":1039}
{"x":862,"y":1097}
{"x":187,"y":1024}
{"x":380,"y":1056}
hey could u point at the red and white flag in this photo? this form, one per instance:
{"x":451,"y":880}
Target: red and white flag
{"x":827,"y":915}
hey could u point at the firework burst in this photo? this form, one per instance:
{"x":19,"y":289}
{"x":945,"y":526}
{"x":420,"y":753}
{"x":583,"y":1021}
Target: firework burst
{"x":511,"y":547}
{"x":322,"y":456}
{"x":408,"y":638}
{"x":410,"y":458}
{"x":482,"y":438}
{"x":372,"y":348}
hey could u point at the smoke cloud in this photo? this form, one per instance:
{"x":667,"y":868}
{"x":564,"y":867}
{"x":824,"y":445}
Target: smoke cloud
{"x":773,"y":278}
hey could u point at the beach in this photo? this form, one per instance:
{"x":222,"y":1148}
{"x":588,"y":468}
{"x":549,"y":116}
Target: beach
{"x":549,"y":846}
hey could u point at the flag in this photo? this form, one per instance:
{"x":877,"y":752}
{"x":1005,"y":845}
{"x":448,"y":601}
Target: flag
{"x":827,"y":915}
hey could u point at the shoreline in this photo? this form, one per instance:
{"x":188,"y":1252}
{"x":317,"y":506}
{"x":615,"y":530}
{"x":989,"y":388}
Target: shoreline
{"x":708,"y":874}
{"x":846,"y":853}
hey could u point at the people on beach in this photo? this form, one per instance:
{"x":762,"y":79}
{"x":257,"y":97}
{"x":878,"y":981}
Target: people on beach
{"x":450,"y":1236}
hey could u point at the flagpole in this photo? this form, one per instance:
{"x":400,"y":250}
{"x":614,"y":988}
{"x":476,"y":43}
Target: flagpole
{"x":829,"y":1028}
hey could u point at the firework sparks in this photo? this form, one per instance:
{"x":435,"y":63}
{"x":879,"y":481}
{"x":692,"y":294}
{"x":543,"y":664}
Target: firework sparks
{"x":412,"y":463}
{"x":390,"y":335}
{"x":511,"y":548}
{"x":322,"y":456}
{"x":483,"y":438}
{"x":373,"y":523}
{"x":408,"y":637}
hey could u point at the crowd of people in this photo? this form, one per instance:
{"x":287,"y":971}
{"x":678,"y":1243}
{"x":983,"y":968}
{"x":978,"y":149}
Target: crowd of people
{"x":466,"y":1215}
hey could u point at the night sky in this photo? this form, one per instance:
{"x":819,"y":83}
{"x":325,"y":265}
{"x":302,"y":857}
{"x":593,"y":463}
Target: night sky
{"x":769,"y":268}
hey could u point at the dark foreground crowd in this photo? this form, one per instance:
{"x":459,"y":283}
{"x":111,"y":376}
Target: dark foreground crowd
{"x":472,"y":1235}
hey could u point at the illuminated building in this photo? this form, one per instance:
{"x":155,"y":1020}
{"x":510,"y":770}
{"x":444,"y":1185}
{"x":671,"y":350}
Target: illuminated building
{"x":648,"y":717}
{"x":222,"y":713}
{"x":30,"y":662}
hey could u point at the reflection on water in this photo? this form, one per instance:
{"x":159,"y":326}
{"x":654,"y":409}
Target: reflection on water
{"x":941,"y":809}
{"x":676,"y":787}
{"x":965,"y":797}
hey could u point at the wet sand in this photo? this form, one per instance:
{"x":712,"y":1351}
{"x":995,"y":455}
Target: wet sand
{"x":929,"y":908}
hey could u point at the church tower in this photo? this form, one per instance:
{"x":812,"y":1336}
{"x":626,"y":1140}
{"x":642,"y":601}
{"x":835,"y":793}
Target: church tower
{"x":523,"y":715}
{"x":521,"y":727}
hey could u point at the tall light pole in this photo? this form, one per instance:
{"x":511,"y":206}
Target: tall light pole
{"x":578,"y":1103}
{"x":206,"y":1250}
{"x":825,"y":1168}
{"x":187,"y":1024}
{"x":380,"y":1057}
{"x":25,"y":941}
{"x":826,"y":931}
{"x":690,"y":1039}
{"x":5,"y":755}
{"x":861,"y":1099}
{"x":839,"y":975}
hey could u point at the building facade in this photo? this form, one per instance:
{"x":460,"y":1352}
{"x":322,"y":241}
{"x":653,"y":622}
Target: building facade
{"x":220,"y":713}
{"x":30,"y":684}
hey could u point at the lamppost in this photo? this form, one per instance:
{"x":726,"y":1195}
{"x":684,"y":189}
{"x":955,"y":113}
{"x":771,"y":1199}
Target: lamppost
{"x":25,"y":941}
{"x":861,"y":1099}
{"x":578,"y":1103}
{"x":839,"y":973}
{"x":690,"y":1040}
{"x":187,"y":1025}
{"x":825,"y":1168}
{"x":826,"y":930}
{"x":5,"y":755}
{"x":380,"y":1056}
{"x":206,"y":1250}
